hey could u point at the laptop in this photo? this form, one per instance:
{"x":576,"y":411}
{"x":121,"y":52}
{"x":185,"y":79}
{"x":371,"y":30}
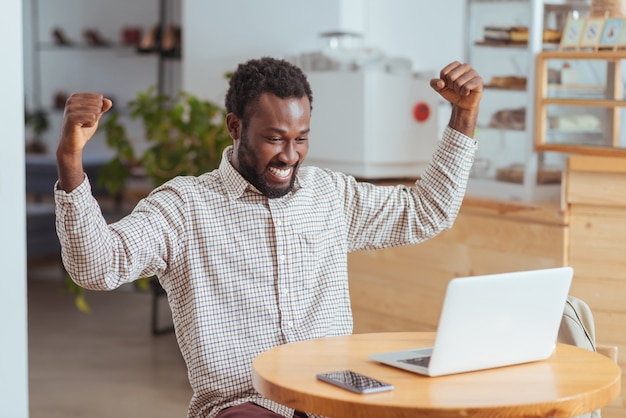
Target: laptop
{"x":492,"y":321}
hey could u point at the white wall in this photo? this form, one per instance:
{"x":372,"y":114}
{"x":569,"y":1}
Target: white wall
{"x":14,"y":347}
{"x":219,"y":35}
{"x":430,"y":33}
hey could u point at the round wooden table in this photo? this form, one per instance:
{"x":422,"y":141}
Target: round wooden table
{"x":571,"y":382}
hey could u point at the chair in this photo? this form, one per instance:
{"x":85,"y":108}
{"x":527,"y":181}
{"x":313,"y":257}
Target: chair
{"x":577,"y":328}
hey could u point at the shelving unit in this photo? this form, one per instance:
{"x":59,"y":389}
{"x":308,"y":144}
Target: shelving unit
{"x":584,"y":117}
{"x":506,"y":165}
{"x":117,"y":70}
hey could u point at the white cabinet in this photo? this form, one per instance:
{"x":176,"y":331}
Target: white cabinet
{"x":378,"y":135}
{"x":503,"y":39}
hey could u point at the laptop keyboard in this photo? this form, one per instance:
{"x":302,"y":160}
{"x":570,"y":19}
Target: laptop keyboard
{"x":417,"y":361}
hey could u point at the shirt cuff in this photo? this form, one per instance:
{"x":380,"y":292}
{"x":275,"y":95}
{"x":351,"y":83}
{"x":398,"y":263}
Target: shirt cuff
{"x":459,"y":140}
{"x":83,"y":189}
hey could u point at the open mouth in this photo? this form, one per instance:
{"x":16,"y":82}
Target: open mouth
{"x":281,"y":174}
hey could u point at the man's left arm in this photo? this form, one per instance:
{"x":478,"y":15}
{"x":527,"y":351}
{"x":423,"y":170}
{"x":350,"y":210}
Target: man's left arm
{"x":381,"y":217}
{"x":460,"y":85}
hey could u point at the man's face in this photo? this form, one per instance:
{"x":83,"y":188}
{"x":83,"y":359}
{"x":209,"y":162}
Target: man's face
{"x":269,"y":150}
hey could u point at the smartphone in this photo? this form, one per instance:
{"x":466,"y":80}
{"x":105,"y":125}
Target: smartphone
{"x":354,"y":382}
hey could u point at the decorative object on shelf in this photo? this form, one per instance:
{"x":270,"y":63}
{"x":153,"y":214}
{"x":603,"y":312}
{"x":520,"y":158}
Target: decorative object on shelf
{"x":576,"y":122}
{"x":151,"y":41}
{"x":594,"y":33}
{"x":59,"y":99}
{"x":610,"y":32}
{"x":514,"y":173}
{"x":568,"y":75}
{"x":572,"y":33}
{"x":620,"y":44}
{"x":94,"y":38}
{"x":60,"y":38}
{"x":171,"y":42}
{"x":506,"y":34}
{"x":166,"y":42}
{"x":497,"y":33}
{"x":509,"y":119}
{"x":551,"y":36}
{"x":508,"y":82}
{"x":516,"y":35}
{"x":37,"y":121}
{"x":131,"y":35}
{"x":591,"y":33}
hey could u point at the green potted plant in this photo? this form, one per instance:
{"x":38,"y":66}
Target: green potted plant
{"x":186,"y":136}
{"x":38,"y":123}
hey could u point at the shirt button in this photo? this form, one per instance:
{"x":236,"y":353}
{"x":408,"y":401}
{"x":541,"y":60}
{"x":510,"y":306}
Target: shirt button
{"x":285,"y":291}
{"x":289,"y":324}
{"x":278,"y":223}
{"x":282,"y":258}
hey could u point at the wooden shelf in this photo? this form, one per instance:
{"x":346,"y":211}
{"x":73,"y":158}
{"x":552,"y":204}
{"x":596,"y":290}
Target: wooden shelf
{"x":611,"y":103}
{"x":500,"y":128}
{"x":515,"y":88}
{"x":511,"y":44}
{"x":502,"y":44}
{"x":611,"y":55}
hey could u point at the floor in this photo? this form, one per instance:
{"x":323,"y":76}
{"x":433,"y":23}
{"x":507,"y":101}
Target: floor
{"x":105,"y":363}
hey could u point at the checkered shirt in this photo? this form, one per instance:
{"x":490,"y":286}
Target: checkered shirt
{"x":244,"y":273}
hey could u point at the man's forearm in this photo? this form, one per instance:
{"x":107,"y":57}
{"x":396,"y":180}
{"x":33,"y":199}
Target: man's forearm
{"x":71,"y":172}
{"x":463,"y":121}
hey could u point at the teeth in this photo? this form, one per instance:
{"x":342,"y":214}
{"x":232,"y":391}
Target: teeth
{"x":280,"y":173}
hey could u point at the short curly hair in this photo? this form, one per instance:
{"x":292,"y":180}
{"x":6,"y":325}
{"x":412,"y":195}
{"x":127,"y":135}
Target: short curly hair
{"x":264,"y":75}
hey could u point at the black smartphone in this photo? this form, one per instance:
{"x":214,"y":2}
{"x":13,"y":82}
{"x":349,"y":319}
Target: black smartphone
{"x":354,"y":382}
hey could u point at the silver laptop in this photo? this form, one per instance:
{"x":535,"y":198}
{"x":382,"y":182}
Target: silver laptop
{"x":492,"y":321}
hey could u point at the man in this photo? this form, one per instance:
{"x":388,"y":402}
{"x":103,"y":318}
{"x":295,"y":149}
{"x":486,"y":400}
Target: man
{"x":254,"y":254}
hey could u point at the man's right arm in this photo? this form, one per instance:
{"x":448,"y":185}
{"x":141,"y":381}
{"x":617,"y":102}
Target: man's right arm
{"x":80,"y":121}
{"x":81,"y":228}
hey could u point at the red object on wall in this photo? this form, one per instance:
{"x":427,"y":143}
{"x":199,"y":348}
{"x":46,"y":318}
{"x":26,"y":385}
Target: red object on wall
{"x":421,"y":111}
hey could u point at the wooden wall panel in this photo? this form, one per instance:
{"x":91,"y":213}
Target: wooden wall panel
{"x":596,"y":198}
{"x":598,"y":240}
{"x":406,"y":285}
{"x":600,"y":189}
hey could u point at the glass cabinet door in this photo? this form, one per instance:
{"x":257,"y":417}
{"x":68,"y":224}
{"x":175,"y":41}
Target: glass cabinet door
{"x":580,"y":102}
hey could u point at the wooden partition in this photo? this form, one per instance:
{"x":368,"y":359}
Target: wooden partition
{"x":401,"y":289}
{"x":595,"y":192}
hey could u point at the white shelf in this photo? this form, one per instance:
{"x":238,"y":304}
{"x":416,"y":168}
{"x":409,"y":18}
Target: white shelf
{"x":504,"y":146}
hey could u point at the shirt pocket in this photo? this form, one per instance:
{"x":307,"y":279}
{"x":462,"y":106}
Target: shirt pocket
{"x":320,"y":254}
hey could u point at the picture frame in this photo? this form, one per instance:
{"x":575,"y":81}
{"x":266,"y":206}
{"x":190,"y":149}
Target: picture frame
{"x":621,"y":38}
{"x":592,"y":32}
{"x":611,"y":33}
{"x":572,"y":33}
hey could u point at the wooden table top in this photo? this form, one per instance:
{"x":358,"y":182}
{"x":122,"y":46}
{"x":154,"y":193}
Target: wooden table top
{"x":571,"y":382}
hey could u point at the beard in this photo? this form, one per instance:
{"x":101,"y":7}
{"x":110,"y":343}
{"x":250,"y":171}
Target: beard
{"x":248,"y":162}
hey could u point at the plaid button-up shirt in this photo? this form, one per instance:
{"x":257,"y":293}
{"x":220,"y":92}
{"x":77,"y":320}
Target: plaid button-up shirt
{"x":244,"y":273}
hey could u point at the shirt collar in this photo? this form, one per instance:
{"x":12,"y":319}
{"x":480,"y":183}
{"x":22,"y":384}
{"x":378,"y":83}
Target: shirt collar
{"x":234,"y":182}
